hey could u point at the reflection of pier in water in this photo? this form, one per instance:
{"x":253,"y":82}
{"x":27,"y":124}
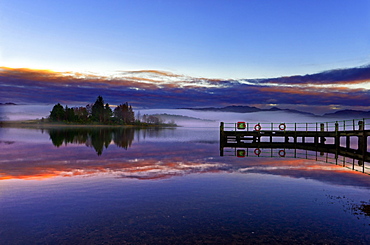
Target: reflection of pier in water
{"x":329,"y":142}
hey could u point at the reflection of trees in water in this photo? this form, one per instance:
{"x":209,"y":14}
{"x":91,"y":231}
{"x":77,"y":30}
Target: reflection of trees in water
{"x":98,"y":138}
{"x":123,"y":138}
{"x":157,"y":133}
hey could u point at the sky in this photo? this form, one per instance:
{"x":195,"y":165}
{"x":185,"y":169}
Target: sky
{"x":220,"y":39}
{"x":308,"y":55}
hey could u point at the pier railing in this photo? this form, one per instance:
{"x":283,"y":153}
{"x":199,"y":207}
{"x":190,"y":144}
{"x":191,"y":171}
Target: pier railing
{"x":342,"y":125}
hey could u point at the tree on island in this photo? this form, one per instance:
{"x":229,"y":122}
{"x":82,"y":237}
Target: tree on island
{"x":98,"y":112}
{"x":124,"y":113}
{"x":107,"y":113}
{"x":58,"y":113}
{"x":101,"y":112}
{"x":70,"y":114}
{"x":81,"y":114}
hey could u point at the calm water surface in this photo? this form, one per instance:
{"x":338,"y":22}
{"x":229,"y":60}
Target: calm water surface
{"x":170,"y":186}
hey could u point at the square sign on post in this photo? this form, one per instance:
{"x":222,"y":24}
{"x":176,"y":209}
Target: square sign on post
{"x":240,"y":125}
{"x":240,"y":153}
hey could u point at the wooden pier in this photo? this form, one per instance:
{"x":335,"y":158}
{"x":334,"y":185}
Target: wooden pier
{"x":348,"y":138}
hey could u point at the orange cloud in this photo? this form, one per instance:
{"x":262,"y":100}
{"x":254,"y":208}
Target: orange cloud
{"x":156,"y":72}
{"x":150,"y":79}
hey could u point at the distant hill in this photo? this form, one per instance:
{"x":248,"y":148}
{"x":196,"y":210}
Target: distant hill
{"x":247,"y":109}
{"x":350,"y":114}
{"x":233,"y":108}
{"x":9,"y":103}
{"x":346,"y":114}
{"x":175,"y":118}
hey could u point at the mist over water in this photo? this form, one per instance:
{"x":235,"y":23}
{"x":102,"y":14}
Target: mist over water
{"x":213,"y":119}
{"x":182,"y":117}
{"x":24,"y":112}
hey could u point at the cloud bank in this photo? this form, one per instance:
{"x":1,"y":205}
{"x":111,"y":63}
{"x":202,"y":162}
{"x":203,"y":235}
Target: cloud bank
{"x":335,"y":89}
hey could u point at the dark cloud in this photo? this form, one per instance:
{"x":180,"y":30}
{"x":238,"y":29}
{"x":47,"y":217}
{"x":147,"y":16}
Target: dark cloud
{"x":337,"y":76}
{"x":157,"y":89}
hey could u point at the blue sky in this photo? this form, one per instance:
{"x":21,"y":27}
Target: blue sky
{"x":212,"y":39}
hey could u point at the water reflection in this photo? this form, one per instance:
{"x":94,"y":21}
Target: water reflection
{"x":341,"y":156}
{"x":98,"y":138}
{"x":170,"y":186}
{"x":157,"y":154}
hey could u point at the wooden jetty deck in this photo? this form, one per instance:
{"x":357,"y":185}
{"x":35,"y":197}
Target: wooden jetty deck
{"x":348,"y":138}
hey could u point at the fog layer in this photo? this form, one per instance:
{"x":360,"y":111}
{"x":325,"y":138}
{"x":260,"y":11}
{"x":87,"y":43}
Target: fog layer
{"x":182,"y":117}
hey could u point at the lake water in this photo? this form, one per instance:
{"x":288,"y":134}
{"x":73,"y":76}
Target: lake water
{"x":171,"y":186}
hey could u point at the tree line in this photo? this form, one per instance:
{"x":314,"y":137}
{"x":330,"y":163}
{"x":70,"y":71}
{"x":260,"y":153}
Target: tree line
{"x":101,"y":112}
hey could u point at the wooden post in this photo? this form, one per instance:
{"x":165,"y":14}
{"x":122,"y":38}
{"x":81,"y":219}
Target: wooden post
{"x":304,"y":138}
{"x":336,"y":140}
{"x":344,"y":125}
{"x":364,"y":152}
{"x":222,"y":139}
{"x":322,"y":130}
{"x":353,"y":124}
{"x":295,"y":133}
{"x":361,"y":137}
{"x":272,"y":129}
{"x":360,"y":125}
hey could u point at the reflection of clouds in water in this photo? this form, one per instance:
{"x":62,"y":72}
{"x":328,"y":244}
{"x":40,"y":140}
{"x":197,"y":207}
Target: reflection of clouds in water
{"x":3,"y":116}
{"x":153,"y":154}
{"x":180,"y":134}
{"x":158,"y":160}
{"x":24,"y":135}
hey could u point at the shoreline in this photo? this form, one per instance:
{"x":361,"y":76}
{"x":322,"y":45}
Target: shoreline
{"x":38,"y":124}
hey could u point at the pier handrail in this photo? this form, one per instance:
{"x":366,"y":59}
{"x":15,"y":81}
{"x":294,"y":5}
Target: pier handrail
{"x":331,"y":126}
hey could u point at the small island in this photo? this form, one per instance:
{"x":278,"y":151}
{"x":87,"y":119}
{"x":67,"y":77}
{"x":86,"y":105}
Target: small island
{"x":99,"y":114}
